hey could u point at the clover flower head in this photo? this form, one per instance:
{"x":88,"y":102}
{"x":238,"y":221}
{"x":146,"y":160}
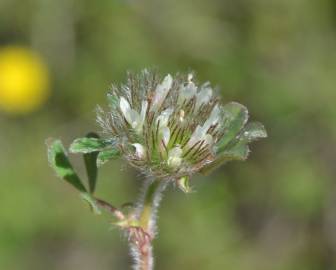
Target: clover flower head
{"x":171,"y":128}
{"x":168,"y":128}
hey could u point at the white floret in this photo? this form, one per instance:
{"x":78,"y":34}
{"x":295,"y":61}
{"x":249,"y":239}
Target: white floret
{"x":140,"y":150}
{"x":161,"y":92}
{"x":135,"y":119}
{"x":175,"y":157}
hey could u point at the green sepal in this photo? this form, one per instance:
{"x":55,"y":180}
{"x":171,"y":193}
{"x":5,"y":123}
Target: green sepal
{"x":183,"y":184}
{"x":106,"y":155}
{"x":60,"y":162}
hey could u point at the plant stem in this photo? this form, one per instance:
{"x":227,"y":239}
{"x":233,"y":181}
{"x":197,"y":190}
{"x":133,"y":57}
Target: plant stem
{"x":147,"y":208}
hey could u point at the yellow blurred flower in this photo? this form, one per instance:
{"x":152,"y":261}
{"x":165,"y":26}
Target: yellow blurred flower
{"x":24,"y":80}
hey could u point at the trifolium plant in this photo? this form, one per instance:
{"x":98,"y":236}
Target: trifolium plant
{"x":168,"y":129}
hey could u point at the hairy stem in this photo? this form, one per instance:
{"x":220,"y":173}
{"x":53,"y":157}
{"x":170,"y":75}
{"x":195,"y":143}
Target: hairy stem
{"x":143,"y":235}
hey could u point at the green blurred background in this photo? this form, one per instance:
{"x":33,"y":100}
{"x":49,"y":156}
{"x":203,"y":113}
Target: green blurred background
{"x":278,"y":57}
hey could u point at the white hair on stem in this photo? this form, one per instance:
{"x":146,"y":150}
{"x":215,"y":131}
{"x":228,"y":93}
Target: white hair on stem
{"x":150,"y":198}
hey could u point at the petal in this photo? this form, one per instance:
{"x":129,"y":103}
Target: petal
{"x":197,"y":135}
{"x":133,"y":117}
{"x":140,"y":150}
{"x":144,"y":106}
{"x":161,"y":92}
{"x":187,"y":92}
{"x":174,"y":157}
{"x":203,"y":96}
{"x":125,"y":109}
{"x":213,"y":118}
{"x":165,"y":131}
{"x":200,"y":132}
{"x":208,"y":139}
{"x":134,"y":120}
{"x":164,"y":117}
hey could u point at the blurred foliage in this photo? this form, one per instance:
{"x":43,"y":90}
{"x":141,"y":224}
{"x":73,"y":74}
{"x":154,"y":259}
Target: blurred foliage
{"x":275,"y":211}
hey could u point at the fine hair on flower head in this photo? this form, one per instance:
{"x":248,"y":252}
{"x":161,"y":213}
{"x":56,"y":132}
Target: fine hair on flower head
{"x":171,"y":127}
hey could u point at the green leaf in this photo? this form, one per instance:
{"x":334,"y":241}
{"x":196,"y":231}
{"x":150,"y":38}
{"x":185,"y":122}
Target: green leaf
{"x":106,"y":155}
{"x":90,"y":161}
{"x":238,"y":151}
{"x":88,"y":145}
{"x":237,"y":148}
{"x":253,"y":131}
{"x":59,"y":161}
{"x":235,"y":117}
